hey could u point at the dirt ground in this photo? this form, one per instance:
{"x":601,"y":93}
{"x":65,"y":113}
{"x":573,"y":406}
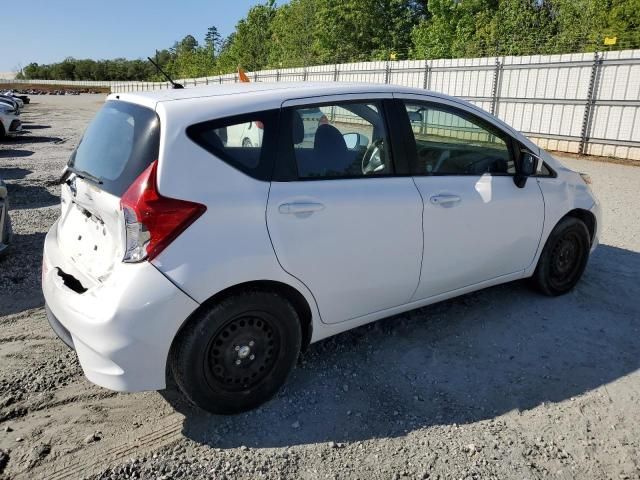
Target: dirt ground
{"x":502,"y":383}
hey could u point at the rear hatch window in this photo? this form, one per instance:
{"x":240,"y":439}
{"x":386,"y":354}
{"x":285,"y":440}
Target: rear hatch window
{"x":119,"y":144}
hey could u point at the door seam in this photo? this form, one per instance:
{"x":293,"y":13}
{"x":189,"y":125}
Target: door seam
{"x":413,"y":180}
{"x":273,"y":247}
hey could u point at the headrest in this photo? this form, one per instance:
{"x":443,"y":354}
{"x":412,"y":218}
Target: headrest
{"x":328,"y":136}
{"x":298,"y":128}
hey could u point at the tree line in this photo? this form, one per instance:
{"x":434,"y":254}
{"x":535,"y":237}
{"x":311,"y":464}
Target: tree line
{"x":314,"y":32}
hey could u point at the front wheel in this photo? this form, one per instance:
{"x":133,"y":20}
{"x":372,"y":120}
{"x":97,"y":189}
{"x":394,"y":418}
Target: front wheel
{"x":563,"y":258}
{"x":237,"y":354}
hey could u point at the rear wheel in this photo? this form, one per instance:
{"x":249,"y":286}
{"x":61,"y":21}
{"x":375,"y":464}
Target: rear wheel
{"x":564,"y":257}
{"x":247,"y":143}
{"x":237,"y":354}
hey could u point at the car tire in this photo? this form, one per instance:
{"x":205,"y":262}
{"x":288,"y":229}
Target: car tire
{"x":564,"y":258}
{"x":246,"y":143}
{"x":236,"y":355}
{"x":2,"y":132}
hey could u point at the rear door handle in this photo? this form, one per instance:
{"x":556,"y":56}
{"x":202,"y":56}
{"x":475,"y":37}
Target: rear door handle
{"x":300,"y":208}
{"x":445,"y":200}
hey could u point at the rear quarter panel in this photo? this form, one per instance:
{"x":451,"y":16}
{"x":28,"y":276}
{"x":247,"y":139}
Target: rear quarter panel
{"x":229,"y":244}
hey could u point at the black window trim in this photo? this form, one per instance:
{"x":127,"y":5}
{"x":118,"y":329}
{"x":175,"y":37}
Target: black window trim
{"x":510,"y":141}
{"x":286,"y":169}
{"x":552,"y":172}
{"x":268,"y":150}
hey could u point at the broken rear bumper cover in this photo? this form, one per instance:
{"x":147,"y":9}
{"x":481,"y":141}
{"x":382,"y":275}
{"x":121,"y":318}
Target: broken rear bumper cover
{"x":122,"y":333}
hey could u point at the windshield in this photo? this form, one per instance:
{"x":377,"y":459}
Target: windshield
{"x":120,"y":142}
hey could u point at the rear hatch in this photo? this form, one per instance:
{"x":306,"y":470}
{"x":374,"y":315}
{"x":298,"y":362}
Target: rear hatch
{"x":119,"y":144}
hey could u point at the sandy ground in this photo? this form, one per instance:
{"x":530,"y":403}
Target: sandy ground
{"x":502,"y":383}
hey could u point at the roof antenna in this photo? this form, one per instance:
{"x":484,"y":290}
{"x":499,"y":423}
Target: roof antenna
{"x":173,"y":84}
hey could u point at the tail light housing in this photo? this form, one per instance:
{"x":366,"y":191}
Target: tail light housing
{"x":153,"y":221}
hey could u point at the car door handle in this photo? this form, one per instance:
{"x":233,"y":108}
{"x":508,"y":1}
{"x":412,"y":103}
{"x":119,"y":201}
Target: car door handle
{"x":445,"y":200}
{"x":300,"y":208}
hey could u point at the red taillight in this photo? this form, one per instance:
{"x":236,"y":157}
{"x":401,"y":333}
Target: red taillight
{"x":152,"y":221}
{"x":259,"y":124}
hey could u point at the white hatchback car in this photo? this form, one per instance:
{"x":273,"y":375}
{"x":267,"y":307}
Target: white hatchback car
{"x":179,"y":253}
{"x":10,"y":123}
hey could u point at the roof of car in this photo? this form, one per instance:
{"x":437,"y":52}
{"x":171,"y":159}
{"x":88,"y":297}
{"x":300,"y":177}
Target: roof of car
{"x":229,"y":99}
{"x":280,"y":90}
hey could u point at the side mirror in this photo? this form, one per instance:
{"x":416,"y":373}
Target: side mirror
{"x":415,"y":117}
{"x":529,"y":163}
{"x":355,"y":140}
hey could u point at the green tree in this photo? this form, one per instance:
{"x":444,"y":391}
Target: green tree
{"x":623,"y":21}
{"x":293,"y":35}
{"x":310,"y":32}
{"x":353,"y":30}
{"x":213,"y":41}
{"x":187,"y":45}
{"x":250,"y":45}
{"x":484,"y":27}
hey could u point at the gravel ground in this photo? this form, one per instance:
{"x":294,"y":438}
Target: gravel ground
{"x":502,"y":383}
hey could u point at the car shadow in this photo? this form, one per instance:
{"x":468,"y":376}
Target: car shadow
{"x":14,"y":173}
{"x":20,"y":268}
{"x":30,"y":126}
{"x":30,"y":196}
{"x":13,"y":153}
{"x":26,"y":138}
{"x":468,"y":359}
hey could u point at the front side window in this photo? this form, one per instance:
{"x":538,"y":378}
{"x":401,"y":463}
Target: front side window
{"x":452,"y":142}
{"x":339,"y":141}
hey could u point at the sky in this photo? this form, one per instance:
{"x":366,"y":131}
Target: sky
{"x":51,"y":30}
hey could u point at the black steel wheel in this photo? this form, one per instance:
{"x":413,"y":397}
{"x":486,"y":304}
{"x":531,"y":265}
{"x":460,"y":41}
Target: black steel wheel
{"x":243,"y":352}
{"x":563,"y":258}
{"x":235,"y":354}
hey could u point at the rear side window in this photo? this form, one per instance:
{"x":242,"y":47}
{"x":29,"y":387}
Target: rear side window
{"x":246,"y":142}
{"x":119,"y":144}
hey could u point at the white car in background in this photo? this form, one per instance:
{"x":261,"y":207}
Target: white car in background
{"x":181,"y":252}
{"x":244,"y":135}
{"x":10,"y":123}
{"x":17,"y":100}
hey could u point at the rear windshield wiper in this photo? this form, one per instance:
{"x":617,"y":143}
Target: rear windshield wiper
{"x":80,"y":173}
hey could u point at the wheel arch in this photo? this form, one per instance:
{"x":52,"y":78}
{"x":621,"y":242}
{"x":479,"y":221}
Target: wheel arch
{"x":587,"y":217}
{"x":582,"y":214}
{"x":290,"y":293}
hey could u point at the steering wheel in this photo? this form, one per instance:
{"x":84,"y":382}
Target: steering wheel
{"x":373,"y":158}
{"x":485,"y":162}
